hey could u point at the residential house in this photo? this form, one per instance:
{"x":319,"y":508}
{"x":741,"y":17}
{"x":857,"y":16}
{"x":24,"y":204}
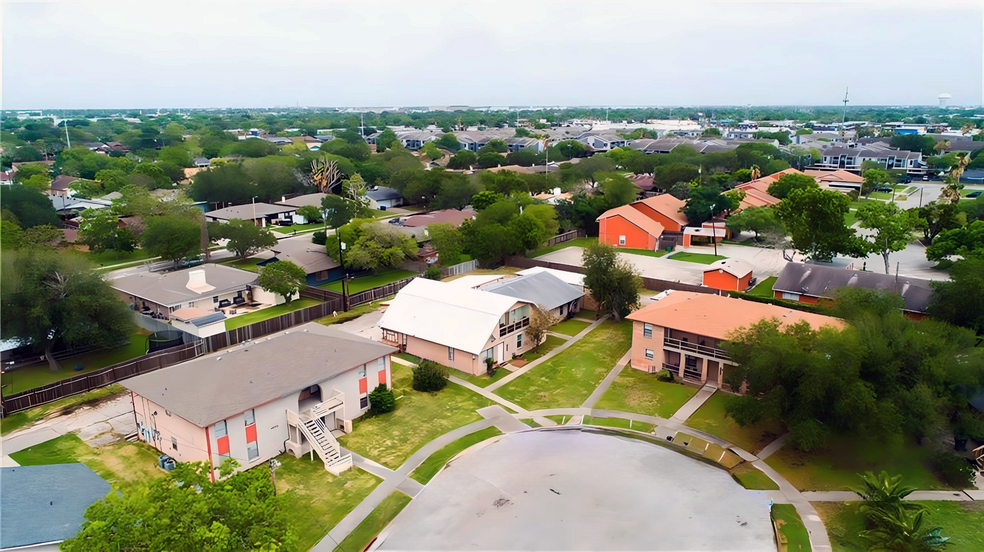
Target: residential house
{"x":278,"y":140}
{"x":644,"y":182}
{"x":313,"y":200}
{"x":456,"y":326}
{"x":202,"y":162}
{"x":808,"y":283}
{"x":573,"y":279}
{"x":118,"y":147}
{"x":289,"y":391}
{"x":212,"y":288}
{"x":627,"y":227}
{"x":664,"y":209}
{"x":314,"y":259}
{"x":553,"y":197}
{"x":602,"y":142}
{"x":550,"y":293}
{"x":446,"y":216}
{"x":60,"y":186}
{"x":728,"y":274}
{"x":838,"y":178}
{"x":682,"y":332}
{"x":416,"y":139}
{"x":44,"y":505}
{"x":260,"y":213}
{"x":517,"y":143}
{"x":381,"y":197}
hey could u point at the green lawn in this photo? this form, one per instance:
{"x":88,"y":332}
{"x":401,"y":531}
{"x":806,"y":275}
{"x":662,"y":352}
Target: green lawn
{"x":64,"y":406}
{"x":429,"y":468}
{"x":550,"y":343}
{"x":619,"y":422}
{"x":961,"y":522}
{"x":567,"y":379}
{"x":269,"y":312}
{"x":419,"y":418}
{"x":710,"y":417}
{"x":753,"y":478}
{"x":249,"y":264}
{"x":125,"y":465}
{"x":317,"y":499}
{"x":887,"y":196}
{"x":561,"y":420}
{"x":482,"y":380}
{"x":585,"y":314}
{"x":850,"y":217}
{"x":503,"y":270}
{"x":109,"y":258}
{"x":967,"y":191}
{"x":375,"y":522}
{"x":570,"y":327}
{"x":530,"y":422}
{"x":576,"y":242}
{"x":764,"y":288}
{"x":297,"y":228}
{"x":701,"y":258}
{"x":353,"y":313}
{"x":836,"y":468}
{"x":791,"y":526}
{"x":39,"y":374}
{"x":368,"y":282}
{"x":640,"y":392}
{"x":645,"y":252}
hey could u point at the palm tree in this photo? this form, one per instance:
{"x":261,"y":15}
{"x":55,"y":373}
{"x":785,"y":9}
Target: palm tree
{"x":904,"y":534}
{"x":325,"y":174}
{"x":885,"y":493}
{"x":756,"y":172}
{"x":966,"y":128}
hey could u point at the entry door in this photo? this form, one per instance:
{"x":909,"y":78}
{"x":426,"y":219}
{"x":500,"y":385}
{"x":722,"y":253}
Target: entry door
{"x":498,"y":352}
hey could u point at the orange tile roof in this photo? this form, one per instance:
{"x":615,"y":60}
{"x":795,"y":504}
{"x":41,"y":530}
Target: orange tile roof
{"x":840,"y":175}
{"x":649,"y":225}
{"x":716,"y":316}
{"x":668,"y":206}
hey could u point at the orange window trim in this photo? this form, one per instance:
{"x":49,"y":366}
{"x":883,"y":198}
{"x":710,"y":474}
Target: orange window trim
{"x":382,"y":377}
{"x":364,"y":385}
{"x":222,"y":445}
{"x":251,"y":433}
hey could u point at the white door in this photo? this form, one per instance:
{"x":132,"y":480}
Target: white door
{"x":498,"y":353}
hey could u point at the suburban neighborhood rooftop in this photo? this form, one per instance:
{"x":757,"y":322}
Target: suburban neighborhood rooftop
{"x":542,"y":288}
{"x":824,"y":281}
{"x":171,"y":288}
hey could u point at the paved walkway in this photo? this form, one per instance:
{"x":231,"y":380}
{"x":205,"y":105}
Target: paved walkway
{"x":607,"y":382}
{"x":548,"y":356}
{"x":115,"y":416}
{"x":695,"y":402}
{"x":772,"y":447}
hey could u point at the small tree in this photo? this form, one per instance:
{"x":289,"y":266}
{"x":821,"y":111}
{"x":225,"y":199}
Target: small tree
{"x":311,"y":213}
{"x":245,"y":238}
{"x":283,"y":278}
{"x":892,"y":226}
{"x":429,"y":376}
{"x":381,"y":400}
{"x":540,"y":322}
{"x":613,"y":283}
{"x":432,"y":273}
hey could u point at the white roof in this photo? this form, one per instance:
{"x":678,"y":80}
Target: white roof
{"x":449,"y":315}
{"x":735,"y":267}
{"x":572,"y":278}
{"x":475,"y":281}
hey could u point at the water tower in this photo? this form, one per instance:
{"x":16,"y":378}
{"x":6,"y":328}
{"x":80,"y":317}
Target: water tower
{"x":943,"y":99}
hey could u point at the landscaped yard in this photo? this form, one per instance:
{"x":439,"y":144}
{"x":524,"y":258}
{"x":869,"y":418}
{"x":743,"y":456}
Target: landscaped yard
{"x":640,"y":392}
{"x":887,"y":196}
{"x":567,"y":379}
{"x":645,"y":252}
{"x":850,"y":217}
{"x":249,"y":264}
{"x":110,"y":258}
{"x":791,"y":526}
{"x":836,"y":468}
{"x":317,"y":499}
{"x":764,"y":288}
{"x":576,"y":242}
{"x":123,"y":464}
{"x":374,"y":523}
{"x":550,"y":343}
{"x":363,"y":283}
{"x":482,"y":380}
{"x":419,"y":418}
{"x":269,"y":312}
{"x":433,"y":464}
{"x":961,"y":522}
{"x":24,"y":418}
{"x":710,"y":417}
{"x":701,"y":258}
{"x":570,"y":327}
{"x":29,"y":377}
{"x":753,"y":478}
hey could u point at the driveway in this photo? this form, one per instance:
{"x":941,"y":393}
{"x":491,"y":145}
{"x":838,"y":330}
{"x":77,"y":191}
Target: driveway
{"x":103,"y":422}
{"x":366,"y":326}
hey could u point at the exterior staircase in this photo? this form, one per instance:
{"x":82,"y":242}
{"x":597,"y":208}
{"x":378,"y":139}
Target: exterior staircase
{"x":325,"y":444}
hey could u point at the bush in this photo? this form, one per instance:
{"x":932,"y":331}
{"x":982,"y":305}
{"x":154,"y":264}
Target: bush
{"x":955,"y":470}
{"x":381,"y":400}
{"x":664,"y":375}
{"x":490,"y":366}
{"x":432,"y":273}
{"x":429,"y":376}
{"x":320,"y":237}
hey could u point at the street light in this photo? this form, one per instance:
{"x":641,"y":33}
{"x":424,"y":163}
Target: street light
{"x":254,"y":209}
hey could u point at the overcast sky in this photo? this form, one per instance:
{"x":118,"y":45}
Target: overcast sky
{"x":208,"y":53}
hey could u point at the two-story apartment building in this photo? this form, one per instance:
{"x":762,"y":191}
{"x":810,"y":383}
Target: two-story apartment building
{"x":682,"y":332}
{"x":851,"y":157}
{"x":291,"y":390}
{"x":456,"y":326}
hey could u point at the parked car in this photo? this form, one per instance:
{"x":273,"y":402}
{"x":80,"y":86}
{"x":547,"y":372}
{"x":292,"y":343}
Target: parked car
{"x":974,"y":194}
{"x":925,"y":177}
{"x":886,"y":189}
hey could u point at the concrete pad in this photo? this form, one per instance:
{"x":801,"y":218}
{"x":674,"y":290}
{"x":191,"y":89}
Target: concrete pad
{"x":27,"y":440}
{"x":366,"y":326}
{"x":504,"y":421}
{"x":581,"y":490}
{"x":8,"y":462}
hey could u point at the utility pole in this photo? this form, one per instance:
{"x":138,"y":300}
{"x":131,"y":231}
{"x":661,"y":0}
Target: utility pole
{"x":844,"y":114}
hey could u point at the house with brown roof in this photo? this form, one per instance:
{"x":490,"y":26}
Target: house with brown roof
{"x":448,"y":216}
{"x":683,"y":331}
{"x":314,"y":259}
{"x":728,"y":274}
{"x":838,"y":178}
{"x":629,"y":228}
{"x":60,"y":186}
{"x":664,"y":209}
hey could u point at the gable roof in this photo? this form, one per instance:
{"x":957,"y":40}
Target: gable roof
{"x":666,"y":205}
{"x":62,"y":182}
{"x":572,"y":278}
{"x":216,"y":386}
{"x":736,"y":267}
{"x":452,"y":316}
{"x":45,"y":504}
{"x":542,"y":288}
{"x":450,"y":216}
{"x":302,"y":200}
{"x":248,"y":211}
{"x":716,"y":316}
{"x":632,"y":215}
{"x":382,"y":193}
{"x":824,"y":281}
{"x":304,"y":254}
{"x":839,"y":175}
{"x":176,"y":287}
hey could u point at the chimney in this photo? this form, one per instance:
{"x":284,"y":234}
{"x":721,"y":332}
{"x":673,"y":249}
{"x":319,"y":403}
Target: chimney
{"x":197,"y":283}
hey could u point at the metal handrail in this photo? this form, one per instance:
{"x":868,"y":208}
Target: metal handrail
{"x":695,"y":348}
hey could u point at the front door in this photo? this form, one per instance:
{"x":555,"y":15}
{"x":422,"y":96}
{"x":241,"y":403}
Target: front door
{"x":498,"y":353}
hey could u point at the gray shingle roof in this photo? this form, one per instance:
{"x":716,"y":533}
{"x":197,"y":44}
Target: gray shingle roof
{"x":542,"y":288}
{"x":382,"y":193}
{"x":312,"y":258}
{"x":172,"y":288}
{"x":248,"y":211}
{"x":824,"y":281}
{"x":214,"y":387}
{"x":45,"y":504}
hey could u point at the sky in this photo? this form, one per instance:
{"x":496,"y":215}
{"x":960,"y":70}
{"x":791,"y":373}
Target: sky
{"x":362,"y":53}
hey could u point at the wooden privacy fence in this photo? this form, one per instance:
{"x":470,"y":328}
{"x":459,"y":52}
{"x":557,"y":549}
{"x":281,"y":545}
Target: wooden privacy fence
{"x":652,"y":284}
{"x":229,"y":338}
{"x":566,"y":236}
{"x":370,"y":295}
{"x":100,"y":378}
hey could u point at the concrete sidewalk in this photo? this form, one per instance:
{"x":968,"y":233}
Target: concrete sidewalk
{"x":607,"y":382}
{"x":691,"y":406}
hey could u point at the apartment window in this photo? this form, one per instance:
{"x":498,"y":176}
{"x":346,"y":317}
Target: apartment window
{"x":174,"y":443}
{"x":364,"y":402}
{"x":562,"y":310}
{"x":791,"y":296}
{"x":487,"y":353}
{"x":450,"y":353}
{"x":252,"y":450}
{"x":250,"y":417}
{"x":220,"y":429}
{"x":519,"y":341}
{"x":647,"y":330}
{"x":649,"y":354}
{"x":621,"y":240}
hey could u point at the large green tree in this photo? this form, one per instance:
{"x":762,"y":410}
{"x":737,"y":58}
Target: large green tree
{"x":890,"y":226}
{"x":100,"y":231}
{"x":814,"y":219}
{"x":788,"y":182}
{"x":51,"y":300}
{"x":246,"y":238}
{"x":448,"y":241}
{"x":965,"y":241}
{"x":759,"y":220}
{"x":613,"y":282}
{"x":172,"y":237}
{"x":960,"y":300}
{"x":706,"y":202}
{"x":617,"y":189}
{"x":380,"y":246}
{"x":385,"y":140}
{"x":283,"y":278}
{"x":28,"y":206}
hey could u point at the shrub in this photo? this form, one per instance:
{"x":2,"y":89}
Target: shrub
{"x":432,"y":273}
{"x":320,"y":237}
{"x":490,"y":366}
{"x":429,"y":376}
{"x":381,"y":400}
{"x":955,"y":470}
{"x":664,"y":375}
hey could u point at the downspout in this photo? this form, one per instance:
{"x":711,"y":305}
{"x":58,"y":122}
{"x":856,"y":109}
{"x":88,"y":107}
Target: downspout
{"x":208,"y":448}
{"x":133,"y":405}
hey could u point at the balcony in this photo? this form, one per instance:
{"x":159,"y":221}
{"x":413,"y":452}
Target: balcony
{"x":688,"y":347}
{"x":510,"y":328}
